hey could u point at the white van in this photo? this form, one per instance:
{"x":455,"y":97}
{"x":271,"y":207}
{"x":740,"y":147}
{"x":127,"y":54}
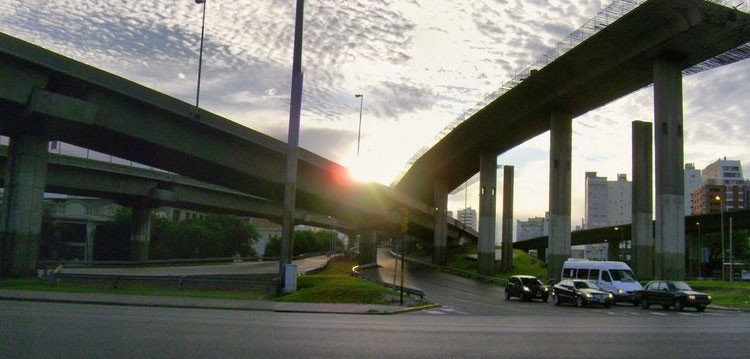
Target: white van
{"x":614,"y":277}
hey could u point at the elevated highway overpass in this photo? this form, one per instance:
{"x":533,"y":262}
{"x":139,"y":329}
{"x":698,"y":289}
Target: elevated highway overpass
{"x":651,"y":44}
{"x":45,"y":96}
{"x":133,"y":187}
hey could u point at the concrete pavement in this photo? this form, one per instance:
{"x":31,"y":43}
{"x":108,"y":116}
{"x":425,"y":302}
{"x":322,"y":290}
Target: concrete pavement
{"x":204,"y":303}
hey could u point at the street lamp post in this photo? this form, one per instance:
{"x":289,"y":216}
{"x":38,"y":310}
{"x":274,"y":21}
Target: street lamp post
{"x":359,"y":131}
{"x":200,"y":53}
{"x":700,"y":251}
{"x":721,"y":209}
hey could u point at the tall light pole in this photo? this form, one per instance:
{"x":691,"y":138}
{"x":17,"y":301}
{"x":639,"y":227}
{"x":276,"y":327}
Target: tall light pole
{"x":200,"y":53}
{"x":721,"y":209}
{"x":359,"y":131}
{"x":287,"y":271}
{"x":700,"y":250}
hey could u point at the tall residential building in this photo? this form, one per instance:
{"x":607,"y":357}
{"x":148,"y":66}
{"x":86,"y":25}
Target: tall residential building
{"x":608,"y":203}
{"x":723,"y":172}
{"x":596,"y":201}
{"x":692,"y":182}
{"x":532,"y":228}
{"x":619,"y":200}
{"x":722,"y":178}
{"x":468,"y":216}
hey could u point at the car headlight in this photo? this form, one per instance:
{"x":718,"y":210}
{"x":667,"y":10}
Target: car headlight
{"x":709,"y":297}
{"x":588,"y":295}
{"x":526,"y":289}
{"x":620,"y":291}
{"x":691,"y":297}
{"x":546,"y":289}
{"x":610,"y":296}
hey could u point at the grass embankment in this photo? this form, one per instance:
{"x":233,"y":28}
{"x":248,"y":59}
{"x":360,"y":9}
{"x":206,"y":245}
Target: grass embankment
{"x":37,"y":284}
{"x":728,"y":294}
{"x":336,"y":285}
{"x":523,"y":263}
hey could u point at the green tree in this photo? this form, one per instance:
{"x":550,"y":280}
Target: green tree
{"x":212,"y":236}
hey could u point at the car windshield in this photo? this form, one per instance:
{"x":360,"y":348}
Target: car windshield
{"x":531,"y":282}
{"x":622,"y":275}
{"x":678,"y":286}
{"x":583,"y":285}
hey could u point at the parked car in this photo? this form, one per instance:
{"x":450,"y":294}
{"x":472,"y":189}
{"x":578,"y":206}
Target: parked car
{"x":526,"y":287}
{"x":674,"y":294}
{"x":581,"y":293}
{"x":610,"y":276}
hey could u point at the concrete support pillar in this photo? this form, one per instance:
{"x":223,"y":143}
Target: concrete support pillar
{"x":22,"y":208}
{"x":90,"y":234}
{"x":613,"y":250}
{"x":561,"y":139}
{"x":487,"y":211}
{"x":439,"y":255}
{"x":368,"y":251}
{"x":642,"y":230}
{"x":670,"y":181}
{"x":507,"y":251}
{"x":141,"y":234}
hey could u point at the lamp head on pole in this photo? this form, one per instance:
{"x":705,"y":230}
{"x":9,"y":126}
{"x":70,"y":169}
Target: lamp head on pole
{"x":200,"y":1}
{"x":357,"y":95}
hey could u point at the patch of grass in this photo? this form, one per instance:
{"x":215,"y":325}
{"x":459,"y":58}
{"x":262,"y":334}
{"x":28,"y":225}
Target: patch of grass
{"x":336,"y":285}
{"x":36,"y":284}
{"x":523,"y":263}
{"x":728,"y":294}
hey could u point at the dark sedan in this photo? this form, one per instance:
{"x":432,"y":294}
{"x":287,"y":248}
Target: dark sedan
{"x":581,"y":293}
{"x":526,"y":287}
{"x":671,"y":293}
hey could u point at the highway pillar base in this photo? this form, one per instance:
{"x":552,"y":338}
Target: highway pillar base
{"x":23,"y":204}
{"x":141,"y":234}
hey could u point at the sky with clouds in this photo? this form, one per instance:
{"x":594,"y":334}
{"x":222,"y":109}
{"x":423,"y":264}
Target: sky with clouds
{"x":418,"y":63}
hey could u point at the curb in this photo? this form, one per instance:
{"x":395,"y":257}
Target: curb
{"x":271,"y":306}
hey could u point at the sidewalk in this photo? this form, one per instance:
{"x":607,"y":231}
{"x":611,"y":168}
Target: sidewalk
{"x":204,"y":303}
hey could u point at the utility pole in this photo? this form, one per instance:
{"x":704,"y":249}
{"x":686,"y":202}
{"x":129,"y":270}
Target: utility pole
{"x":290,"y":186}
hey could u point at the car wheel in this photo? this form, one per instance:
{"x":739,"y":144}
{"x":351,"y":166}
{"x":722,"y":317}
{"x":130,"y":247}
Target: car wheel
{"x":635,"y":302}
{"x":544,"y":299}
{"x":522,"y":297}
{"x":579,"y":302}
{"x":556,"y":300}
{"x":678,"y":306}
{"x":700,"y":308}
{"x":607,"y":305}
{"x":665,"y":306}
{"x":507,"y":295}
{"x":645,"y":304}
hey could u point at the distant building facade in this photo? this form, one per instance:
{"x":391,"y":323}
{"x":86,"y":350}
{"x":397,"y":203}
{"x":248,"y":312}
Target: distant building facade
{"x":468,"y":216}
{"x":722,"y":188}
{"x":608,"y":203}
{"x":692,"y":182}
{"x":532,"y":228}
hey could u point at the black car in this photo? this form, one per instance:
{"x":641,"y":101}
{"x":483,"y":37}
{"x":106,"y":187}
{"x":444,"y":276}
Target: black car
{"x":581,"y":293}
{"x":670,"y":293}
{"x":526,"y":287}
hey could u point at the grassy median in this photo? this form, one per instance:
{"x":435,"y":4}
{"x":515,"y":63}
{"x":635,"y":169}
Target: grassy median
{"x":336,"y":285}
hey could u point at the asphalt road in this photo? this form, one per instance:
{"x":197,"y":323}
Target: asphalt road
{"x":475,"y":321}
{"x":53,"y":330}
